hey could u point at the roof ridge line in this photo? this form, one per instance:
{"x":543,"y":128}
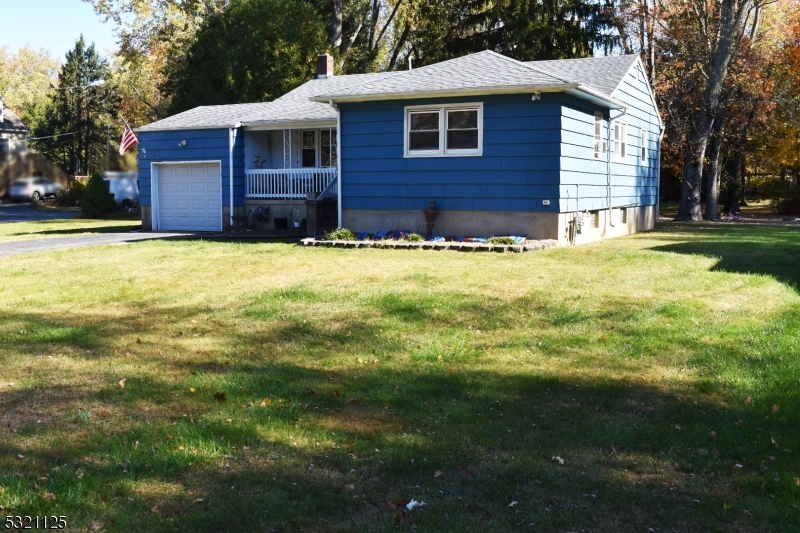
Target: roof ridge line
{"x":542,"y":71}
{"x":315,"y":95}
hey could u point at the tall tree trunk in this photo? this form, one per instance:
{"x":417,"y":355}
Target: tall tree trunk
{"x":732,"y":17}
{"x":714,"y":170}
{"x":336,"y":22}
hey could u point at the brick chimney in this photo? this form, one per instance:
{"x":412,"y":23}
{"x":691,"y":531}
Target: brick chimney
{"x":324,"y":66}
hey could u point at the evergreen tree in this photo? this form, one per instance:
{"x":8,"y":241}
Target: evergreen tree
{"x":82,"y":107}
{"x":254,"y":51}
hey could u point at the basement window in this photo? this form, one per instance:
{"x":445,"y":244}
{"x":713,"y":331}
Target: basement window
{"x":442,"y":131}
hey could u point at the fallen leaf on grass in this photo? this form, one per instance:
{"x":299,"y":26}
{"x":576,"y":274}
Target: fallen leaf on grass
{"x":220,"y":396}
{"x":265,"y":402}
{"x":138,"y":340}
{"x":350,"y":487}
{"x":154,"y":509}
{"x":748,"y":400}
{"x":512,"y":504}
{"x":336,"y":394}
{"x":558,"y":460}
{"x":122,"y":383}
{"x":776,"y":408}
{"x":413,"y":504}
{"x":48,"y":496}
{"x":437,"y":473}
{"x":192,"y":390}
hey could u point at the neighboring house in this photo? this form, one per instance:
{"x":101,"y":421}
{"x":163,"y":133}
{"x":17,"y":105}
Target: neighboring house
{"x":15,"y":159}
{"x":13,"y":133}
{"x":565,"y":150}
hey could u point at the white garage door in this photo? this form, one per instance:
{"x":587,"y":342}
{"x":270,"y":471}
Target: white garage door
{"x":189,"y":197}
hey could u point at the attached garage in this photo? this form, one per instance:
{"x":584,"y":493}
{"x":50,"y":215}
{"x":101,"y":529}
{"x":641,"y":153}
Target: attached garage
{"x":187,"y":196}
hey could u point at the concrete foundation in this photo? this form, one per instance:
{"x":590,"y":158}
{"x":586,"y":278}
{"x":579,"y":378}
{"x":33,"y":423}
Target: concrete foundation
{"x":456,"y":223}
{"x":147,"y":217}
{"x":539,"y":226}
{"x":602,"y":225}
{"x":277,"y":209}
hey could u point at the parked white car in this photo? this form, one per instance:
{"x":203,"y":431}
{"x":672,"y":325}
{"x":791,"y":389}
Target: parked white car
{"x":33,"y":188}
{"x":125,"y":188}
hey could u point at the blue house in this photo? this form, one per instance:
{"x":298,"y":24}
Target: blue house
{"x":566,"y":150}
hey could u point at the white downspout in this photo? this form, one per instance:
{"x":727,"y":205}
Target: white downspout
{"x":658,"y":175}
{"x":338,"y":162}
{"x":231,"y":140}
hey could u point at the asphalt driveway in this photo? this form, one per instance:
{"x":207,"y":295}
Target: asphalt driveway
{"x":24,"y":213}
{"x":78,"y":241}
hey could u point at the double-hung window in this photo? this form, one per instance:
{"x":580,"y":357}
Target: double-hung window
{"x":437,"y":131}
{"x":309,"y":149}
{"x":599,"y":141}
{"x":620,"y":141}
{"x":328,"y":149}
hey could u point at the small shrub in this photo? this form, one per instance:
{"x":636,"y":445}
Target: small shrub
{"x":783,"y":196}
{"x":96,"y":200}
{"x":71,"y":196}
{"x":341,"y":234}
{"x":415,"y":237}
{"x":501,"y":240}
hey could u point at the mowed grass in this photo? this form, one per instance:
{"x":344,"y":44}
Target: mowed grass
{"x":636,"y":383}
{"x":19,"y":231}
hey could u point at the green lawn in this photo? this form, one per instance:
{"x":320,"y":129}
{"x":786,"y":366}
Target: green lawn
{"x":212,"y":386}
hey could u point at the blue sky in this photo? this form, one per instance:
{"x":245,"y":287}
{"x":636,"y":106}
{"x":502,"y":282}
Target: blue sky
{"x":53,"y":25}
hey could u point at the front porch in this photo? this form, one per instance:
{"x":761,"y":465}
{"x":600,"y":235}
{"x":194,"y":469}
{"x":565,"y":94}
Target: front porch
{"x":290,"y":171}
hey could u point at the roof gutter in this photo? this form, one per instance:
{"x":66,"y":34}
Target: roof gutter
{"x":575,"y":88}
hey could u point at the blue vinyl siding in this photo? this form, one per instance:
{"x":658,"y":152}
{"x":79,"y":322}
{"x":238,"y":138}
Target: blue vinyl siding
{"x":632,"y":184}
{"x":518,"y":169}
{"x":201,"y":145}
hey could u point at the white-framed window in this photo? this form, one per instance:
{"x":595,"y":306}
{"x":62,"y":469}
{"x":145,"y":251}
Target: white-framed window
{"x":620,"y":141}
{"x":441,"y":131}
{"x":643,"y":148}
{"x":328,"y":148}
{"x":318,"y":148}
{"x":600,"y":147}
{"x":309,"y":149}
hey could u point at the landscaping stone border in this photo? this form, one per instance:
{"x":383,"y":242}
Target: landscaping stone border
{"x":531,"y":246}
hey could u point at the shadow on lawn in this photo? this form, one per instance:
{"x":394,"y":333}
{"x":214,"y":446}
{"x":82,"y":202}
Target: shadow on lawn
{"x":746,"y":249}
{"x":335,"y":447}
{"x":75,"y":231}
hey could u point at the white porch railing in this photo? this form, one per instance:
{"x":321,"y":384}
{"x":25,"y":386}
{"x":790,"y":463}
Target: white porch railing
{"x":287,"y":183}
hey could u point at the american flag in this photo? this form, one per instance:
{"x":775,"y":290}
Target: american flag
{"x":128,"y":140}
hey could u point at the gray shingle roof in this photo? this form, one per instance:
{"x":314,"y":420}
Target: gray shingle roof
{"x":484,"y":70}
{"x":292,"y":107}
{"x":602,"y":73}
{"x":481,"y":72}
{"x":490,"y":70}
{"x":10,"y":123}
